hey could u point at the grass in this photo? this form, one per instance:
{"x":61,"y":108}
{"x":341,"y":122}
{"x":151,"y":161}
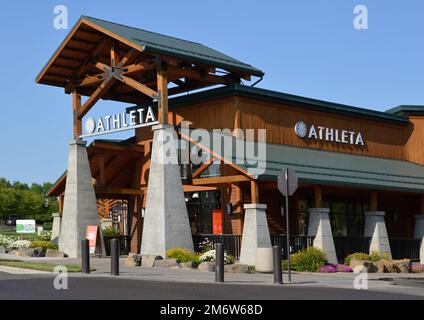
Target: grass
{"x":40,"y":266}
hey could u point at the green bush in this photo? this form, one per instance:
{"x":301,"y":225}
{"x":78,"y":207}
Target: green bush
{"x":377,"y":256}
{"x":44,"y":244}
{"x":111,"y":232}
{"x":309,"y":260}
{"x":356,"y":256}
{"x":182,"y":255}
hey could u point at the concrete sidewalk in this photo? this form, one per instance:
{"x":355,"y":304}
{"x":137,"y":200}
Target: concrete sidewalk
{"x":410,"y":283}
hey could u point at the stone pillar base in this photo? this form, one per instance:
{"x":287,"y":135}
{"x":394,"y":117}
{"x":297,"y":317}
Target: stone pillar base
{"x":80,"y":207}
{"x":419,"y":234}
{"x":255,"y":233}
{"x":166,"y":224}
{"x":320,"y":228}
{"x":375,"y":227}
{"x":419,"y":226}
{"x":56,"y":228}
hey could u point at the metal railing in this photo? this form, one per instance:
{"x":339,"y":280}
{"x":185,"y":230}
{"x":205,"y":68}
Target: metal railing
{"x":405,"y":248}
{"x":347,"y":245}
{"x":232,"y":243}
{"x":124,"y":244}
{"x":297,"y":243}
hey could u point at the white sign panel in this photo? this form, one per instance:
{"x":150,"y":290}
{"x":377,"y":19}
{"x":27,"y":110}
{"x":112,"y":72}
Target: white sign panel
{"x":141,"y":117}
{"x":322,"y":133}
{"x":25,"y":226}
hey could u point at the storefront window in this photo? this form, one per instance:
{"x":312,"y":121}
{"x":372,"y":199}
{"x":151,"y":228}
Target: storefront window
{"x":347,"y":217}
{"x":200,"y":206}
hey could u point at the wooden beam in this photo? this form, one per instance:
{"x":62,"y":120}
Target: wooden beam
{"x":190,"y":188}
{"x":114,"y":57}
{"x":202,"y":168}
{"x":125,"y":191}
{"x":101,"y":46}
{"x":96,"y":96}
{"x":254,"y":191}
{"x":102,"y":177}
{"x":76,"y":107}
{"x":138,"y":86}
{"x":162,"y":85}
{"x":220,"y":180}
{"x":318,"y":196}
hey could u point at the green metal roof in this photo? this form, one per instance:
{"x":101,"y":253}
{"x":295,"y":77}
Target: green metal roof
{"x":406,"y":110}
{"x":161,"y":44}
{"x":328,"y":168}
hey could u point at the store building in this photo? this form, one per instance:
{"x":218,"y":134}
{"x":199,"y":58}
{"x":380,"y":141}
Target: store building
{"x":361,"y":172}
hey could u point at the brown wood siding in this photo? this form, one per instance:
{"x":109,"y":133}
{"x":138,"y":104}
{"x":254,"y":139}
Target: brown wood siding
{"x":381,"y":139}
{"x":415,"y":144}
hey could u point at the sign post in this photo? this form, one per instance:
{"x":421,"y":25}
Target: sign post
{"x":287,"y":185}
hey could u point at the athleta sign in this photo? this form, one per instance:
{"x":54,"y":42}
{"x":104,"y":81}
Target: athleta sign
{"x":328,"y":134}
{"x":120,"y":122}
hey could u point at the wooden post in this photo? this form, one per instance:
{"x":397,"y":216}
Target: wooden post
{"x":76,"y":107}
{"x":102,"y":171}
{"x":374,"y":201}
{"x":254,"y":191}
{"x":162,"y":83}
{"x":318,"y":197}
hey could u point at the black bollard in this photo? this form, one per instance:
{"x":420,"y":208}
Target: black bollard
{"x":85,"y":256}
{"x":219,"y":262}
{"x":114,"y":257}
{"x":278,"y":274}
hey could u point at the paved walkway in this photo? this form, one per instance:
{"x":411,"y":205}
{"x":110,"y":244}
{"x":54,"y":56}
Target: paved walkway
{"x":412,"y":284}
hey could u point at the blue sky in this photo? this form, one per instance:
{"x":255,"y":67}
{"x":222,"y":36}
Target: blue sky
{"x":305,"y":47}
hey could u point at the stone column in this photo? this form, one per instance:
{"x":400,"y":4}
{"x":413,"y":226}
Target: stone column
{"x":255,"y":233}
{"x":419,"y":234}
{"x":166,"y":224}
{"x":80,"y":207}
{"x":419,"y":226}
{"x":375,"y":227}
{"x":320,"y":228}
{"x":56,"y":227}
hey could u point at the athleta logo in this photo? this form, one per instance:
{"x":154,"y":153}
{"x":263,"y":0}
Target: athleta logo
{"x":328,"y":134}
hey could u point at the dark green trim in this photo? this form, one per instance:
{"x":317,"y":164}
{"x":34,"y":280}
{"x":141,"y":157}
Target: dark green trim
{"x":407,"y":110}
{"x":280,"y":97}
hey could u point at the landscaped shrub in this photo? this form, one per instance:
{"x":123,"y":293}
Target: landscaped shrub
{"x":211,"y":254}
{"x":44,"y":244}
{"x":6,"y":241}
{"x":328,"y":268}
{"x":111,"y":232}
{"x":309,"y":260}
{"x":377,"y":256}
{"x":356,"y":256}
{"x":182,"y":255}
{"x":46,"y":235}
{"x":417,"y":268}
{"x":25,"y":244}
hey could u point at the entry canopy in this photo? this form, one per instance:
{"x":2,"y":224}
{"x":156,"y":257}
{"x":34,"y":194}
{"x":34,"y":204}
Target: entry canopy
{"x":95,"y":49}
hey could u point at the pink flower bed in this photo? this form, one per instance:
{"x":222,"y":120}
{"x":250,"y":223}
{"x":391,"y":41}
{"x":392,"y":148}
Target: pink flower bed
{"x":332,"y":268}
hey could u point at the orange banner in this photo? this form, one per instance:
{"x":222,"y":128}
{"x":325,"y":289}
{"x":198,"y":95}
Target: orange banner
{"x":91,"y":235}
{"x":217,"y":222}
